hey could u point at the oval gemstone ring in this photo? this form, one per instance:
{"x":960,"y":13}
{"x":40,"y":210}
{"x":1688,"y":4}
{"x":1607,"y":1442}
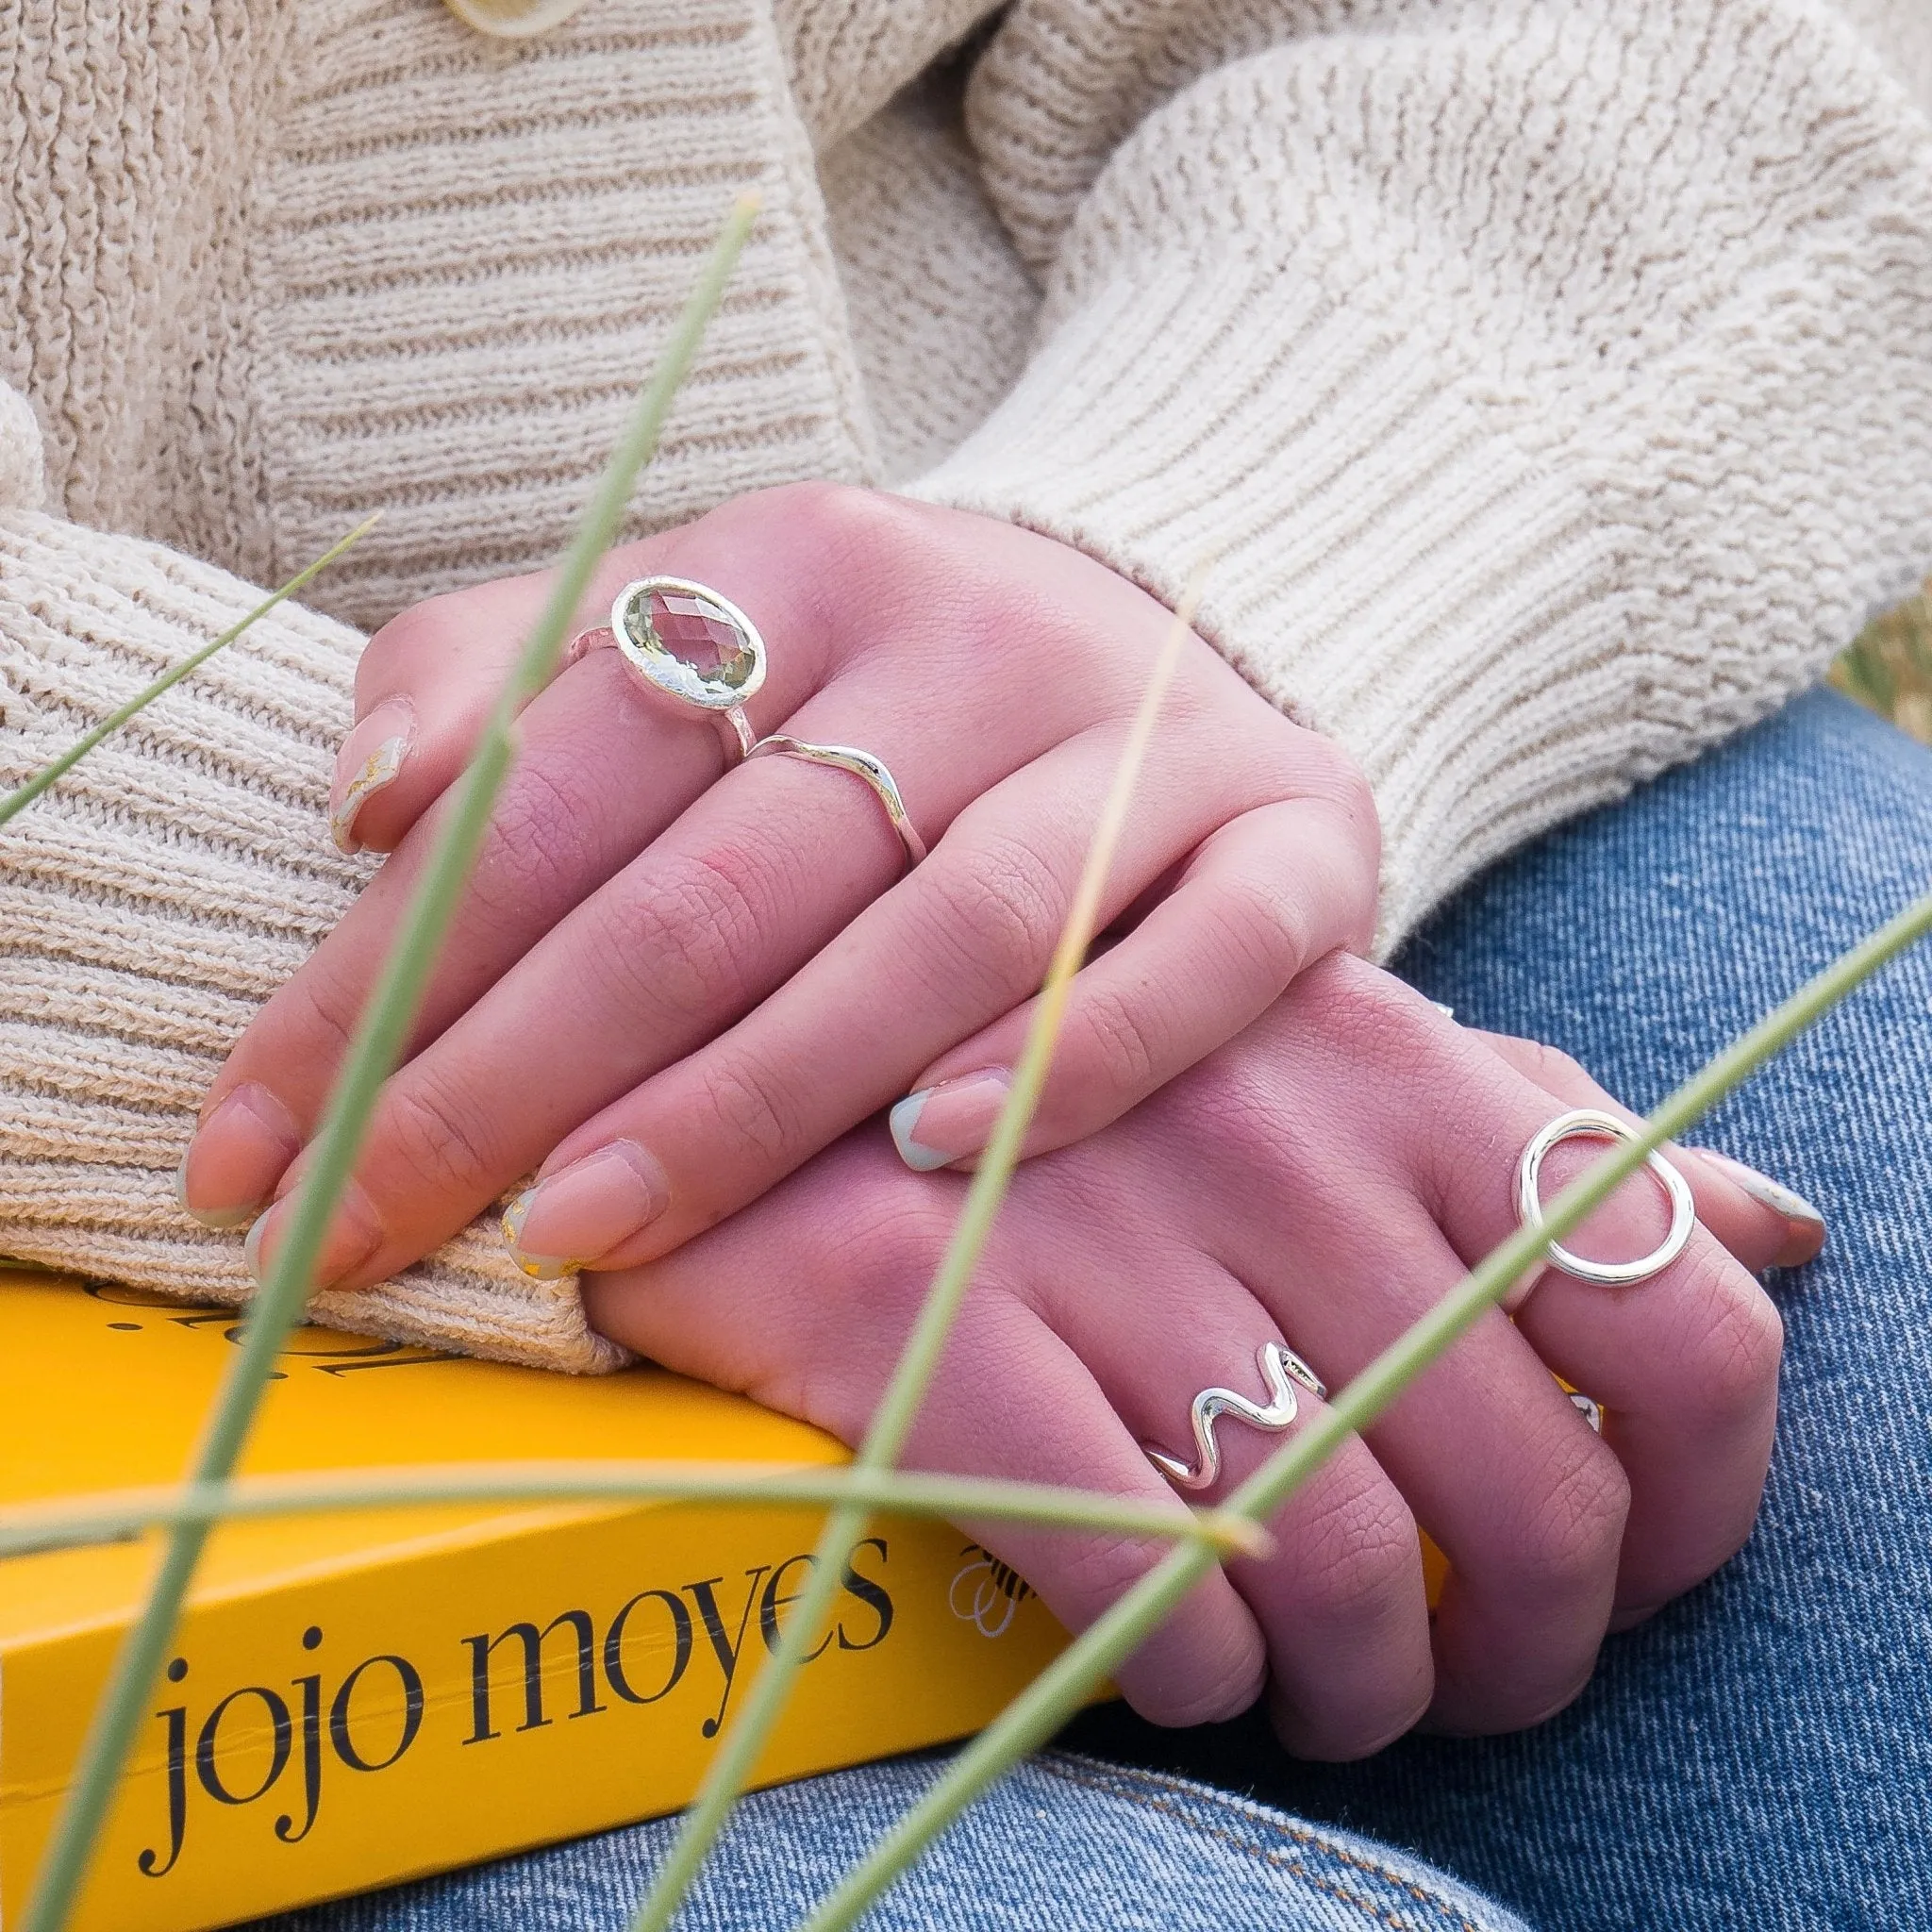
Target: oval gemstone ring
{"x":689,"y":643}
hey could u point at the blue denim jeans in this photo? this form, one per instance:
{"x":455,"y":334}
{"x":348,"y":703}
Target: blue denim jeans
{"x":1759,"y":1755}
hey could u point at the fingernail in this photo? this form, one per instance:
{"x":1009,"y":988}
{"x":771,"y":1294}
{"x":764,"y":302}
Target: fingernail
{"x":585,"y":1210}
{"x":1804,"y":1223}
{"x":229,"y":1171}
{"x":353,"y":1234}
{"x":370,"y":756}
{"x":940,"y":1125}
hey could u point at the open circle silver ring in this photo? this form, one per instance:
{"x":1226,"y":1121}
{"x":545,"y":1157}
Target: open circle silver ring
{"x":1281,"y":1368}
{"x":1592,"y":1124}
{"x":863,"y":766}
{"x":688,"y":643}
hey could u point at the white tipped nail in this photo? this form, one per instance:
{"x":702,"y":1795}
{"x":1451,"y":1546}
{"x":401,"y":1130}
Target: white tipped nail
{"x":903,"y":1121}
{"x":1761,"y":1188}
{"x":950,"y":1121}
{"x":220,"y":1220}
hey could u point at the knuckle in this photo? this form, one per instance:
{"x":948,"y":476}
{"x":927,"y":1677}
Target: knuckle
{"x":1734,"y":1354}
{"x":1357,"y":1553}
{"x":1233,"y":1109}
{"x":319,"y":1018}
{"x":425,"y":630}
{"x":541,"y":833}
{"x":988,"y":923}
{"x":852,"y":536}
{"x":1262,"y":932}
{"x":1119,"y":1044}
{"x":749,"y":1107}
{"x":433,"y":1139}
{"x":1325,"y":770}
{"x":1367,"y":1019}
{"x":1551,"y":1068}
{"x":1098,"y":1569}
{"x":880,"y":1251}
{"x":1568,"y":1539}
{"x":681,"y":940}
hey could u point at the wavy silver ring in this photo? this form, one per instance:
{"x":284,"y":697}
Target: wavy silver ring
{"x":721,"y":662}
{"x":1282,"y":1369}
{"x":863,"y":766}
{"x":1589,"y":1123}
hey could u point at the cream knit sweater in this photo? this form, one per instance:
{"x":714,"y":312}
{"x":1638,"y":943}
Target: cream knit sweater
{"x":1552,"y":380}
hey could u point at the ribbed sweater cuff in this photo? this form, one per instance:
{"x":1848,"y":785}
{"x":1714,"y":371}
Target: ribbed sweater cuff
{"x":1390,"y":564}
{"x":152,"y":900}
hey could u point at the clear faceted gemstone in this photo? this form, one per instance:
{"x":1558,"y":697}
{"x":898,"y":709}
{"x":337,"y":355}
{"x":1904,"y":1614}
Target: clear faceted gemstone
{"x":694,"y":629}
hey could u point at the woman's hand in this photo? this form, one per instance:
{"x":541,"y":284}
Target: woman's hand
{"x":671,"y":987}
{"x":1322,"y":1182}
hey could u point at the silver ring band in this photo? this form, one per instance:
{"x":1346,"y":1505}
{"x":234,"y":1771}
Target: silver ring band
{"x":1282,"y":1369}
{"x":1589,"y":1123}
{"x":863,"y":766}
{"x":652,"y":617}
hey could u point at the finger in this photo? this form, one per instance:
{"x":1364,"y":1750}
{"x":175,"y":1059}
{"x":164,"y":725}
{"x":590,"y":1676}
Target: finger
{"x":425,"y":684}
{"x":1763,"y":1224}
{"x":963,"y":937}
{"x":1685,"y":1364}
{"x":1521,"y":1498}
{"x":1264,"y":896}
{"x":760,"y":874}
{"x":570,"y":813}
{"x":803,"y":1301}
{"x":1341,"y":1602}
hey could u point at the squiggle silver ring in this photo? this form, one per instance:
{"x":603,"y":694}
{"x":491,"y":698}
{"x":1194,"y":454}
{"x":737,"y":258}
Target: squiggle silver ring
{"x":863,"y":766}
{"x":689,"y":643}
{"x":1282,"y":1369}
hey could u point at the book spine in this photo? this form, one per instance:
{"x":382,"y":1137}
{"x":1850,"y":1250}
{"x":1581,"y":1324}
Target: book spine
{"x":491,"y":1688}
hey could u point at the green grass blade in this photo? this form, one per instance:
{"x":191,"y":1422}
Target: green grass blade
{"x":67,"y":1523}
{"x":18,"y":800}
{"x":738,"y":1754}
{"x":1064,"y":1685}
{"x":371,"y":1055}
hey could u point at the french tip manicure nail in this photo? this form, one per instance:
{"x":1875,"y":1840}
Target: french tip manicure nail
{"x":903,"y":1119}
{"x":951,"y":1120}
{"x":222,"y":1220}
{"x":1806,"y":1223}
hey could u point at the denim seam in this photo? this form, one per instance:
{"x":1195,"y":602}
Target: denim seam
{"x":1131,"y":1785}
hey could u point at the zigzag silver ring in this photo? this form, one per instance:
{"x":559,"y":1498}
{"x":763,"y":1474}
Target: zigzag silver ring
{"x":1281,"y":1368}
{"x":864,"y":767}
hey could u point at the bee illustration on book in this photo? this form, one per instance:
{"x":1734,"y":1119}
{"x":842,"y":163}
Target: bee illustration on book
{"x":992,"y":1591}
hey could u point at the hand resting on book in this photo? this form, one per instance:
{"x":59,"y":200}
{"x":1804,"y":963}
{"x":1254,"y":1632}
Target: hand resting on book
{"x":1323,"y":1181}
{"x":718,"y":976}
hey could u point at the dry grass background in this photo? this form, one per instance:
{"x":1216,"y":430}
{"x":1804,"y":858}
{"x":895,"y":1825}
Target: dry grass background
{"x":1889,"y":668}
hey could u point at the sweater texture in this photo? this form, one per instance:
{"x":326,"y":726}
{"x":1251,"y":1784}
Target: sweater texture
{"x":1550,"y":383}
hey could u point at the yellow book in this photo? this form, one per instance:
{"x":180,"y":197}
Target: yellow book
{"x":355,"y":1699}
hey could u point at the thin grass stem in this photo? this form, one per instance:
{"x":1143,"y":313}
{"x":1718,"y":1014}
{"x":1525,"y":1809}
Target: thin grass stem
{"x":1065,"y":1684}
{"x":371,"y":1056}
{"x":736,"y":1755}
{"x":107,"y":1518}
{"x":19,"y":799}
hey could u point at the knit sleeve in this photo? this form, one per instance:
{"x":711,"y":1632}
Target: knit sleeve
{"x":1549,"y":384}
{"x":154,"y":898}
